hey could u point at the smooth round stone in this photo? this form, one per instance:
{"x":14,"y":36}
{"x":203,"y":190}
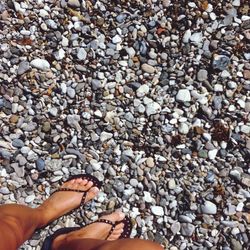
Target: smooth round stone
{"x":41,"y":64}
{"x":30,"y":198}
{"x":175,"y":227}
{"x":202,"y":75}
{"x":148,"y":68}
{"x":40,"y":164}
{"x":17,"y":143}
{"x":74,"y":3}
{"x":183,"y":128}
{"x":150,"y":162}
{"x":183,"y":95}
{"x":187,"y":229}
{"x":208,"y":208}
{"x":23,"y":67}
{"x":82,"y":54}
{"x":105,"y":136}
{"x":157,"y":210}
{"x":133,"y":182}
{"x":71,"y":92}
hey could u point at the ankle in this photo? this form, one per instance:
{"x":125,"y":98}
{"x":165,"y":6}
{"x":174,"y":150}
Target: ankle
{"x":43,"y":217}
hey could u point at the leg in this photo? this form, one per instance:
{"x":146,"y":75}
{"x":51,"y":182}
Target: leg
{"x":18,"y":222}
{"x":92,"y":237}
{"x":122,"y":244}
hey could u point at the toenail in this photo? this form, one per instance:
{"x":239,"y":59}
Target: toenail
{"x":91,"y":183}
{"x":95,"y":189}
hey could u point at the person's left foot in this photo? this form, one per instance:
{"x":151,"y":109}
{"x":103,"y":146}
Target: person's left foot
{"x":63,"y":202}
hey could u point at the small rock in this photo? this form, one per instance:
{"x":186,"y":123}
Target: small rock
{"x":220,"y":62}
{"x":171,"y":184}
{"x":183,"y":128}
{"x":208,"y":208}
{"x":116,"y":39}
{"x":71,"y":92}
{"x":82,"y":54}
{"x":187,"y":229}
{"x":148,"y":68}
{"x":183,"y":95}
{"x":105,"y":136}
{"x":53,"y":111}
{"x":40,"y":164}
{"x":202,"y":75}
{"x":150,"y":162}
{"x":212,"y":154}
{"x":157,"y":210}
{"x":30,"y":198}
{"x":46,"y":127}
{"x":153,"y":108}
{"x":74,"y":3}
{"x":23,"y":67}
{"x":41,"y":64}
{"x":17,"y":143}
{"x":142,"y":90}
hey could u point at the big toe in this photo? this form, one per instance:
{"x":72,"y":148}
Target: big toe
{"x":92,"y":193}
{"x":117,"y":231}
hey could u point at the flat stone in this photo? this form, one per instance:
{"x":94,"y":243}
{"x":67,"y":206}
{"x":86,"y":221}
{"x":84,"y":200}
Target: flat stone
{"x":17,"y":143}
{"x":74,"y":3}
{"x":40,"y":164}
{"x":208,"y":208}
{"x":23,"y":67}
{"x":202,"y":75}
{"x":41,"y":64}
{"x":157,"y":210}
{"x":148,"y":68}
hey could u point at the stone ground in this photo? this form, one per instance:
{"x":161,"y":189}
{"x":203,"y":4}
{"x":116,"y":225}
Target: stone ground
{"x":152,"y":97}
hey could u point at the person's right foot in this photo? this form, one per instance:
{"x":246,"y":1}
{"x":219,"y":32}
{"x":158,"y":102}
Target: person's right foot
{"x":96,"y":230}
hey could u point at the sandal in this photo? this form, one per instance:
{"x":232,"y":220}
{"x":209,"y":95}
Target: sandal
{"x":47,"y":244}
{"x":88,"y":177}
{"x":96,"y":183}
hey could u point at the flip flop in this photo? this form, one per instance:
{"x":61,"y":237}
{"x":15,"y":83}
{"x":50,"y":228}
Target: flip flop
{"x":47,"y":244}
{"x":96,"y":183}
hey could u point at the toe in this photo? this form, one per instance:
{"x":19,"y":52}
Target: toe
{"x":92,"y":193}
{"x":89,"y":185}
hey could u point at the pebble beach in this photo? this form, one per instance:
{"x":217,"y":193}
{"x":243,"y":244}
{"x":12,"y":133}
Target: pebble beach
{"x":151,"y":97}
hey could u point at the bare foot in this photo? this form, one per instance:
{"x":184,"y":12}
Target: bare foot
{"x":63,"y":202}
{"x":97,"y":230}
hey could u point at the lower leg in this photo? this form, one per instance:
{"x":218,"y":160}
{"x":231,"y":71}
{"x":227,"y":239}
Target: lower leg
{"x":18,"y":222}
{"x":122,"y":244}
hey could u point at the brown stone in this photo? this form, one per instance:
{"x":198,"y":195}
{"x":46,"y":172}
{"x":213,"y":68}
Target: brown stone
{"x":14,"y":119}
{"x":246,"y":74}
